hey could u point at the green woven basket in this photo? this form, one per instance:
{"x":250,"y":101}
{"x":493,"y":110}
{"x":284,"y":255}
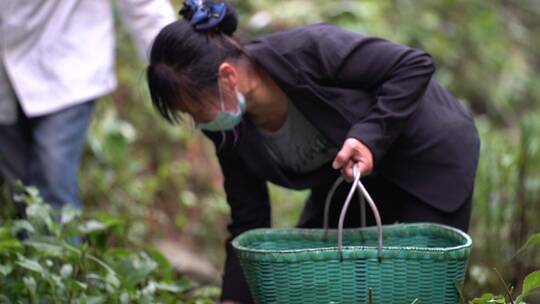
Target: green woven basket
{"x":404,"y":263}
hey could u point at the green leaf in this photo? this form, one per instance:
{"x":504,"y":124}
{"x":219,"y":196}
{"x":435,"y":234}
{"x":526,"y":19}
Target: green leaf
{"x":91,"y":300}
{"x":169,"y":287}
{"x":30,"y":264}
{"x":39,"y":214}
{"x":10,"y":245}
{"x":124,"y":297}
{"x":82,"y":285}
{"x":4,"y":231}
{"x":95,"y":300}
{"x":118,"y":253}
{"x":164,"y":266}
{"x":32,"y":191}
{"x":533,"y":241}
{"x":23,"y":225}
{"x":94,"y":276}
{"x":531,"y":282}
{"x":66,"y":271}
{"x":92,"y":226}
{"x":46,"y":248}
{"x":488,"y":298}
{"x":5,"y":269}
{"x":69,"y":214}
{"x":58,"y":282}
{"x":108,"y":219}
{"x":49,"y":263}
{"x":207,"y":292}
{"x":136,"y":268}
{"x":112,"y":279}
{"x":30,"y":283}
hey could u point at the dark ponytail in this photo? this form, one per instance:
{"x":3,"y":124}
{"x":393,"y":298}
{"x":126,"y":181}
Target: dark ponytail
{"x":186,"y":54}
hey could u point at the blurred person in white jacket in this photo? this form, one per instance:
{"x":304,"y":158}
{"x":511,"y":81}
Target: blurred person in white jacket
{"x":56,"y":59}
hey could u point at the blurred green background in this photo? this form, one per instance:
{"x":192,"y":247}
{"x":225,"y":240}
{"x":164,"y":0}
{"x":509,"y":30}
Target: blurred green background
{"x":166,"y":182}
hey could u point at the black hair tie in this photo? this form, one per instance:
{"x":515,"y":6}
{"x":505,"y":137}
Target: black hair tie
{"x":202,"y":14}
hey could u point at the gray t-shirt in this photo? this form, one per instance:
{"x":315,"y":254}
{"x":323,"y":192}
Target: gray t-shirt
{"x":298,"y":145}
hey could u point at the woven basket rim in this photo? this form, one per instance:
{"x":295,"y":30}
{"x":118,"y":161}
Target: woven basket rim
{"x":432,"y":250}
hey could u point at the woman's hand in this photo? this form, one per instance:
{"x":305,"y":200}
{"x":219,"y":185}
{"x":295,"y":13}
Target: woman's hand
{"x":353,"y":151}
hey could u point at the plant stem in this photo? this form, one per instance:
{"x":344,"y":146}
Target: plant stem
{"x":459,"y":288}
{"x":505,"y":286}
{"x":53,"y":289}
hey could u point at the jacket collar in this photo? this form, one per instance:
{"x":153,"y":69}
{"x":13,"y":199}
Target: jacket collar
{"x":282,"y":71}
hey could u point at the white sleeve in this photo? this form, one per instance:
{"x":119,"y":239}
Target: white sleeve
{"x":144,"y":19}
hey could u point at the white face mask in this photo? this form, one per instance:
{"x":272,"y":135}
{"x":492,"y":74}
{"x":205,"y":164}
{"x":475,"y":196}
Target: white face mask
{"x":226,"y":120}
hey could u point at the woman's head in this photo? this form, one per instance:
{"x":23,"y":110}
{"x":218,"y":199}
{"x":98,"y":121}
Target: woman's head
{"x":189,"y":62}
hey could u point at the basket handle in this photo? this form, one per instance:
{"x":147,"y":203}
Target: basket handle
{"x":328,"y":201}
{"x":357,"y":184}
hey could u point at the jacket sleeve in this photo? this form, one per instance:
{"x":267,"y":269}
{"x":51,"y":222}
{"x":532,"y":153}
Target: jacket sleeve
{"x":397,"y":75}
{"x":144,"y":19}
{"x":247,"y":194}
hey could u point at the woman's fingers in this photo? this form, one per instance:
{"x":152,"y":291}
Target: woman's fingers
{"x":353,"y":152}
{"x":342,"y":157}
{"x":347,"y":171}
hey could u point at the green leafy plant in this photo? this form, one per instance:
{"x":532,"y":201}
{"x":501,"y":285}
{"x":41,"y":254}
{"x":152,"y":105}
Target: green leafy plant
{"x":60,"y":257}
{"x":530,"y":284}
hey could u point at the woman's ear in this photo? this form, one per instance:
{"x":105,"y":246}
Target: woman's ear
{"x":228,"y":73}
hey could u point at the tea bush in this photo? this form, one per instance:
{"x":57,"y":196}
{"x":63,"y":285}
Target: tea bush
{"x":61,"y":257}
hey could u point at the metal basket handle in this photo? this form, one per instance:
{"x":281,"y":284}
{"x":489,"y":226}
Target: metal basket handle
{"x":357,"y":184}
{"x":328,"y":201}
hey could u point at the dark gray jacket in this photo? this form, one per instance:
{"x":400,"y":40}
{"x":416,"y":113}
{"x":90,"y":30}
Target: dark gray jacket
{"x":351,"y":85}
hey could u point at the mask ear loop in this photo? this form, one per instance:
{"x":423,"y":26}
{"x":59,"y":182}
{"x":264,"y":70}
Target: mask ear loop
{"x":221,"y":97}
{"x":223,"y":134}
{"x":237,"y":93}
{"x":235,"y":133}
